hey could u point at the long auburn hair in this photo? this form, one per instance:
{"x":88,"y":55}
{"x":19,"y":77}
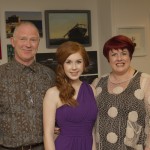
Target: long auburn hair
{"x":63,"y":83}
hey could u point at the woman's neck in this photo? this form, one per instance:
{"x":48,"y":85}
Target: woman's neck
{"x":121,"y":78}
{"x":76,"y":84}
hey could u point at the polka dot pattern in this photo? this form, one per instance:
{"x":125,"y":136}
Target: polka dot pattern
{"x":118,"y":90}
{"x":129,"y":132}
{"x":139,"y":94}
{"x":112,"y":112}
{"x":122,"y":114}
{"x":133,"y":116}
{"x":112,"y":137}
{"x":98,"y":90}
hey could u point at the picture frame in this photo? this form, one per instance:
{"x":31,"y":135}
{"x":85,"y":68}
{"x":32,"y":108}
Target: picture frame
{"x":65,"y":25}
{"x":137,"y":35}
{"x":10,"y":52}
{"x":49,"y":60}
{"x":12,"y":18}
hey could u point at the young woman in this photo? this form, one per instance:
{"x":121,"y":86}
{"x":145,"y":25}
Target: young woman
{"x":70,"y":103}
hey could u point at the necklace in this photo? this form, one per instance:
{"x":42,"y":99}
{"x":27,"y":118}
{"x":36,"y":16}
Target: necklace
{"x":121,"y":81}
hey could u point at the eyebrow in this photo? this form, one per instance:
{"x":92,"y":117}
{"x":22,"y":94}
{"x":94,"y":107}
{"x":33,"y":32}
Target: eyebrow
{"x":77,"y":59}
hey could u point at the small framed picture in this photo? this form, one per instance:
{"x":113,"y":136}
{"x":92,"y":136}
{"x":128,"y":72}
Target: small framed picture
{"x":10,"y":52}
{"x":137,"y":35}
{"x":14,"y":17}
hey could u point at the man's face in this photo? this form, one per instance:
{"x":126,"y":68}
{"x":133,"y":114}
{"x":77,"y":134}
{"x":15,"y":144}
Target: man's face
{"x":25,"y":43}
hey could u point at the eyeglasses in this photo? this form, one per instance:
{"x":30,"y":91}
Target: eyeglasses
{"x":33,"y":40}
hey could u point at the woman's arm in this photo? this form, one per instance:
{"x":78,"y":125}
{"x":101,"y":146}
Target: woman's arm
{"x":145,"y":86}
{"x":95,"y":81}
{"x":49,"y":111}
{"x":94,"y":140}
{"x":93,"y":88}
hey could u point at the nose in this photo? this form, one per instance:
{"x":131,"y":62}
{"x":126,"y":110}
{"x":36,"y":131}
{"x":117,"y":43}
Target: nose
{"x":28,"y":42}
{"x":74,"y":66}
{"x":119,"y":56}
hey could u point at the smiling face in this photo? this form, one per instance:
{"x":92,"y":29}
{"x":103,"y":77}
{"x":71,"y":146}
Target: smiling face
{"x":119,"y":60}
{"x":73,"y":66}
{"x":25,"y":42}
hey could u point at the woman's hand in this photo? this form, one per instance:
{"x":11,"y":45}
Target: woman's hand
{"x":57,"y":130}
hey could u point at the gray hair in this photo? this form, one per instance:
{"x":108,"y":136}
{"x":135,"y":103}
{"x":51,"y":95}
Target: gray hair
{"x":25,"y":23}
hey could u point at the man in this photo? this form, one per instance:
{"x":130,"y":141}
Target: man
{"x":23,"y":83}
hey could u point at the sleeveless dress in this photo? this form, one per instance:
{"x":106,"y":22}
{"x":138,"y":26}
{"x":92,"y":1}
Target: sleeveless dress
{"x":76,"y":123}
{"x":121,"y":120}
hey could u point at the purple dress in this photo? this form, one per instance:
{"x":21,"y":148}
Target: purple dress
{"x":76,"y":123}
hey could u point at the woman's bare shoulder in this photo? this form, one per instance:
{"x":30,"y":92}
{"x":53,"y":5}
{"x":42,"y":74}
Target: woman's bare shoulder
{"x":52,"y":94}
{"x":52,"y":90}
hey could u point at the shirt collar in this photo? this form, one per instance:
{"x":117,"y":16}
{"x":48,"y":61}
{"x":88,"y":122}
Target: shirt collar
{"x":22,"y":67}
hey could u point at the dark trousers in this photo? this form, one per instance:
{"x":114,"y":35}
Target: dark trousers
{"x":35,"y":147}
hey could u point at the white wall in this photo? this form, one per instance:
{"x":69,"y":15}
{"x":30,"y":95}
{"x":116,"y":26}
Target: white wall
{"x":134,"y":13}
{"x":41,"y":5}
{"x":105,"y":31}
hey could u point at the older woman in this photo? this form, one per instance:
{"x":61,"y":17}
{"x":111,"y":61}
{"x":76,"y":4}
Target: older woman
{"x":123,"y":98}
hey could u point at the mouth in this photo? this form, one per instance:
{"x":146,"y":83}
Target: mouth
{"x":74,"y":73}
{"x":27,"y":49}
{"x":120,"y":64}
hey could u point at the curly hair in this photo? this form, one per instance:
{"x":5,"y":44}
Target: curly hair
{"x":63,"y":83}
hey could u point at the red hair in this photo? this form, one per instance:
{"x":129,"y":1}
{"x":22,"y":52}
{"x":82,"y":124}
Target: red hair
{"x":119,"y":42}
{"x":63,"y":83}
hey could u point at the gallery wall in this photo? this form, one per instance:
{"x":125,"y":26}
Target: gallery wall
{"x":106,"y":17}
{"x":41,"y":6}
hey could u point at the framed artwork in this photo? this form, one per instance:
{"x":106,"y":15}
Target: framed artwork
{"x":10,"y":52}
{"x":14,"y":17}
{"x":65,"y":25}
{"x":137,"y":35}
{"x":49,"y":60}
{"x":93,"y":66}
